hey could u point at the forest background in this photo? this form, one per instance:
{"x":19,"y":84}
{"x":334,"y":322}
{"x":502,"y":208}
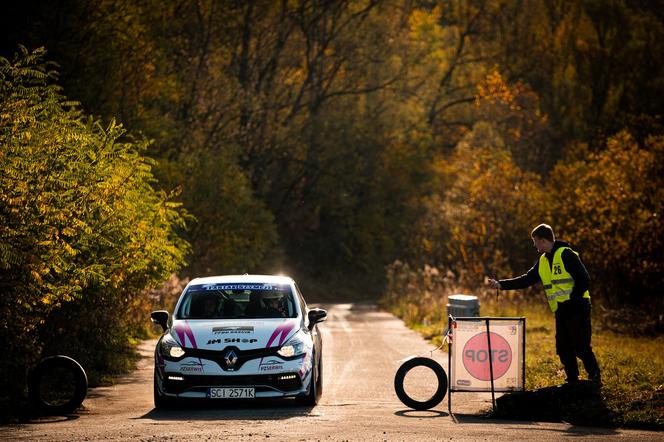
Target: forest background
{"x":352,"y":144}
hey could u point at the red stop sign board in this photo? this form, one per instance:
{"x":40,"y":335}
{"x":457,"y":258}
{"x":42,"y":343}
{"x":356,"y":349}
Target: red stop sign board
{"x":476,"y":356}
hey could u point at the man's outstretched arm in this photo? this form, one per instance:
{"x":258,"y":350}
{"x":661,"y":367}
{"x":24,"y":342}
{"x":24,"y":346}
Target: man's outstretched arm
{"x":520,"y":282}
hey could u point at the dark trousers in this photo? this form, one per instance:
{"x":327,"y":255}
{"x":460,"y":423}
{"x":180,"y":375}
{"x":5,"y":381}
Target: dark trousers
{"x":573,"y":334}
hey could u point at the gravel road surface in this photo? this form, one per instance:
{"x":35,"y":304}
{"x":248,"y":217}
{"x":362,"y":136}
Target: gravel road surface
{"x":362,"y":351}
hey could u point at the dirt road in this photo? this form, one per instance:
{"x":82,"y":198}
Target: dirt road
{"x":362,"y":347}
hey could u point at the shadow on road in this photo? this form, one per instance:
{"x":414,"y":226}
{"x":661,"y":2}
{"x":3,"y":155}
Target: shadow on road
{"x":261,"y":409}
{"x":421,"y":414}
{"x":517,"y":425}
{"x":49,"y":419}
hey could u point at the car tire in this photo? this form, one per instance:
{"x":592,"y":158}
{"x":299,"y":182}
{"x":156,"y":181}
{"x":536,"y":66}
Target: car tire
{"x":319,"y":381}
{"x":315,"y":390}
{"x":48,"y":366}
{"x":160,"y":401}
{"x":438,"y":395}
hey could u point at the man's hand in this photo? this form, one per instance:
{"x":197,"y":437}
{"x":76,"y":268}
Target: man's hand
{"x":493,"y":283}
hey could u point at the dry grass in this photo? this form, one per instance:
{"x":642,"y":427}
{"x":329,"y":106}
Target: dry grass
{"x":632,"y":366}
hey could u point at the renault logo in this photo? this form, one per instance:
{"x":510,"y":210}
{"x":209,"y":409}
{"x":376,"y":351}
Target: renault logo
{"x":230,"y":358}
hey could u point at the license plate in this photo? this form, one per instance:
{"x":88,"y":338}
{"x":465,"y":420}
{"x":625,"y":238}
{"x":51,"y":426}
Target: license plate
{"x":231,"y":393}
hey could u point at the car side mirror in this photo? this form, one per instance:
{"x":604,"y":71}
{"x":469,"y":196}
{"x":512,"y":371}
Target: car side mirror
{"x":160,"y":317}
{"x":315,"y":316}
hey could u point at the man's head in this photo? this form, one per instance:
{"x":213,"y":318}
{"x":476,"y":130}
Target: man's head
{"x":274,"y":301}
{"x":209,"y":306}
{"x":543,"y":238}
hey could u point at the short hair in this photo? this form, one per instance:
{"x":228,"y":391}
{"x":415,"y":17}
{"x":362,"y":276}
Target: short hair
{"x":543,"y":231}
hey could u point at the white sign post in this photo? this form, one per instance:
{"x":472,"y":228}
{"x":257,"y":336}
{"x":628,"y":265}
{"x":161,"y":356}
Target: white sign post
{"x":486,"y":354}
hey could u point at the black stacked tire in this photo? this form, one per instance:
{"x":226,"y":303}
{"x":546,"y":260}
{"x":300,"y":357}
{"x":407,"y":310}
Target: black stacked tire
{"x":57,"y":385}
{"x":438,"y":395}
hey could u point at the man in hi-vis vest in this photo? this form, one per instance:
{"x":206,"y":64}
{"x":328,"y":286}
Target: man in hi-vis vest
{"x":566,"y":283}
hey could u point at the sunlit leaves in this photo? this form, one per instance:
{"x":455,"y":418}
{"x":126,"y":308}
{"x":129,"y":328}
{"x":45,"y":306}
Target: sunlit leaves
{"x":611,"y":204}
{"x":79,"y":219}
{"x":339,"y":118}
{"x":480,"y":224}
{"x":232,"y":232}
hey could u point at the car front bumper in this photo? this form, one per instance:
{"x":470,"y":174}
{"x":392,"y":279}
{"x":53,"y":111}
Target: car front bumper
{"x":269,"y":378}
{"x":266,"y":385}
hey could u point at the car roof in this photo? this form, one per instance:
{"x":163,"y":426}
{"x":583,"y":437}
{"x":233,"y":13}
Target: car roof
{"x":246,"y":278}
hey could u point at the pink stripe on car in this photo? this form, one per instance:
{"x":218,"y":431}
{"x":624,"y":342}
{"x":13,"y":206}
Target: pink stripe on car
{"x":183,"y":330}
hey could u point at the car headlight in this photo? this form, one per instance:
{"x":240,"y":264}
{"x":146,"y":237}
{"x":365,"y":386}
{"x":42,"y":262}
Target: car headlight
{"x":170,"y":348}
{"x":294,"y":347}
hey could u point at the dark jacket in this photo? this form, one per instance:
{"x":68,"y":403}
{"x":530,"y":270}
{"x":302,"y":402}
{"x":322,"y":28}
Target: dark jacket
{"x":572,"y":264}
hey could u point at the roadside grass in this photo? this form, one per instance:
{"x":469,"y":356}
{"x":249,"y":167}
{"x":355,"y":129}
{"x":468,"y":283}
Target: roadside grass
{"x":632,"y":366}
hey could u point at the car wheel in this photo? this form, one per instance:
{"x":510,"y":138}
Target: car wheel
{"x":438,"y":395}
{"x":57,"y":385}
{"x":319,"y":381}
{"x":161,"y":401}
{"x":313,"y":396}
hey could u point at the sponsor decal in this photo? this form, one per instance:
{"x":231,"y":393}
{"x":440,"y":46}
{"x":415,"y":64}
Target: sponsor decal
{"x":232,"y":340}
{"x":476,"y":356}
{"x":306,"y":365}
{"x":192,"y":367}
{"x":183,"y":331}
{"x":233,"y":329}
{"x":271,"y":365}
{"x":245,"y":287}
{"x":243,"y":340}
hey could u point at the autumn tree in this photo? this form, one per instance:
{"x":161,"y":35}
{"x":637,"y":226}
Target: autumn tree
{"x":337,"y":124}
{"x":593,"y":63}
{"x":611,"y":206}
{"x":478,"y":224}
{"x":82,"y":230}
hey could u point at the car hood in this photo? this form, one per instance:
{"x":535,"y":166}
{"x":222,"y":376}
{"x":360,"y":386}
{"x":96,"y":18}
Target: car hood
{"x":245,"y":335}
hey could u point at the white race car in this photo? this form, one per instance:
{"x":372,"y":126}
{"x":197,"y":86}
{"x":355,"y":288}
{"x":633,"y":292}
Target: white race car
{"x":239,"y":337}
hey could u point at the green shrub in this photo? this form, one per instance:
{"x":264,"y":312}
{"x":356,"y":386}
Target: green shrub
{"x":82,"y":230}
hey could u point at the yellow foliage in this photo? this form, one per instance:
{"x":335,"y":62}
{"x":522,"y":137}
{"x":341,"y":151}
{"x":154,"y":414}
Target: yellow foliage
{"x":494,"y":88}
{"x":611,"y":207}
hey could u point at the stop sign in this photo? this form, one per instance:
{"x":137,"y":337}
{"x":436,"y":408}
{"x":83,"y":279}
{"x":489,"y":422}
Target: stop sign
{"x":476,"y":356}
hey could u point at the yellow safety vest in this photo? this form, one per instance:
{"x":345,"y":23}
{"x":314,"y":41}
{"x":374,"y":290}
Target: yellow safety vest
{"x":558,"y":283}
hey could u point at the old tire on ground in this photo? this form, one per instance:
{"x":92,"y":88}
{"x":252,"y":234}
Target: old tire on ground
{"x":438,"y":395}
{"x":57,"y":385}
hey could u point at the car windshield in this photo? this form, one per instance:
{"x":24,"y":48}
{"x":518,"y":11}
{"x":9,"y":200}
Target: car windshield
{"x":226,"y":301}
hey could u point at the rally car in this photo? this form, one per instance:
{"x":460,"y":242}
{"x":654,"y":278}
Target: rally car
{"x":239,"y":337}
